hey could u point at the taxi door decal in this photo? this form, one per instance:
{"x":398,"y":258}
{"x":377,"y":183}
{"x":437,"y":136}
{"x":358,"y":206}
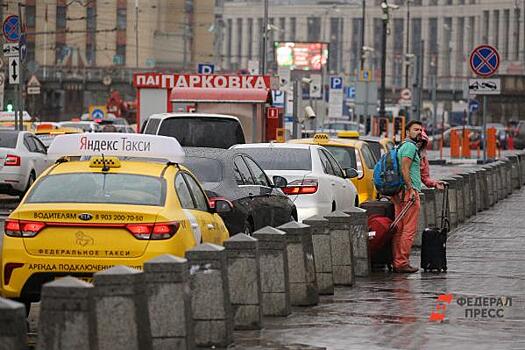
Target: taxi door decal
{"x":194,"y":225}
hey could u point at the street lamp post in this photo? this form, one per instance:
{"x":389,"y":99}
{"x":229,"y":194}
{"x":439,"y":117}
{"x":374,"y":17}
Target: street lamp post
{"x":384,"y":7}
{"x":408,"y":41}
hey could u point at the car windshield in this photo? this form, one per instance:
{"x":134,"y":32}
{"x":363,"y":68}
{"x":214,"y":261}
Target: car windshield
{"x":8,"y":139}
{"x":341,"y":126}
{"x":99,"y":188}
{"x":281,"y":158}
{"x":206,"y":170}
{"x":203,"y":132}
{"x":47,"y":138}
{"x":344,"y":155}
{"x":376,"y":149}
{"x":84,"y":127}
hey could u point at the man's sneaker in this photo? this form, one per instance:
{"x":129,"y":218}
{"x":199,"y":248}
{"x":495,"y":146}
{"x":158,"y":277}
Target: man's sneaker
{"x":406,"y":269}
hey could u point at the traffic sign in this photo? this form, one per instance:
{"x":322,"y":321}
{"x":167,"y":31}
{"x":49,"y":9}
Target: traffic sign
{"x":33,"y":90}
{"x":97,"y":112}
{"x":365,"y":75}
{"x":23,"y":47}
{"x":11,"y":50}
{"x":14,"y":70}
{"x":473,"y":106}
{"x":336,"y":83}
{"x":10,"y":28}
{"x":33,"y":81}
{"x":204,"y":68}
{"x":272,"y":113}
{"x":349,"y":92}
{"x":278,"y":98}
{"x":484,"y":86}
{"x":406,"y":94}
{"x":484,"y":60}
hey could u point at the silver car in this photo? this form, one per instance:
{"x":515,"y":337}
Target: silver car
{"x":22,"y":158}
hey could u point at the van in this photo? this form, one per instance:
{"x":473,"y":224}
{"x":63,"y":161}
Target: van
{"x":197,"y":129}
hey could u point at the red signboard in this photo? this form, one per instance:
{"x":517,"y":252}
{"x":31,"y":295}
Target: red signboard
{"x":164,"y":81}
{"x":272,"y":113}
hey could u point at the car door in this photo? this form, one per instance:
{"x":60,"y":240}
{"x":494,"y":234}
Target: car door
{"x":333,"y":186}
{"x":188,"y":206}
{"x":269,"y":206}
{"x":345,"y":194}
{"x":37,"y":161}
{"x":42,"y":150}
{"x":211,"y":231}
{"x":368,"y":167}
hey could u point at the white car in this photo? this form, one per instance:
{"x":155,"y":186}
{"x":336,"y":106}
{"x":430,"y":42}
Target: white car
{"x":22,"y":158}
{"x":316,"y":182}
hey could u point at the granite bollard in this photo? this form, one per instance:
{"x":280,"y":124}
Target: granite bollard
{"x":342,"y":251}
{"x":13,"y":330}
{"x":169,"y":302}
{"x":66,"y":320}
{"x":244,"y":281}
{"x":121,"y":309}
{"x":210,"y":296}
{"x":301,"y":264}
{"x":489,"y":181}
{"x":273,"y":265}
{"x":359,"y":236}
{"x":322,"y":253}
{"x":460,"y":198}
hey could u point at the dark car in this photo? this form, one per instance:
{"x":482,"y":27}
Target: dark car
{"x":232,"y":175}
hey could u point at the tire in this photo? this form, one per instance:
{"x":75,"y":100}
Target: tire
{"x":248,"y":227}
{"x":30,"y":181}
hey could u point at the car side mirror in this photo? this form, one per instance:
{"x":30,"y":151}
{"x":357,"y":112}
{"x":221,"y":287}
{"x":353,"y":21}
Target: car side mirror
{"x":279,"y":181}
{"x":222,"y":206}
{"x":350,"y":173}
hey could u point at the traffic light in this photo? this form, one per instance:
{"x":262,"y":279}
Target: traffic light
{"x":399,"y":128}
{"x":9,"y":107}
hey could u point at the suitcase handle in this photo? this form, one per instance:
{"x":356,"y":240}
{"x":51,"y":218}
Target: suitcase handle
{"x":445,"y":222}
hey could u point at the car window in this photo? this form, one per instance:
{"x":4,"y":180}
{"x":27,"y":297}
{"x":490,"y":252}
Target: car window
{"x":8,"y":139}
{"x":205,"y":169}
{"x":183,"y":192}
{"x":345,"y":156}
{"x":198,"y":131}
{"x":281,"y":158}
{"x":200,"y":200}
{"x":258,"y":174}
{"x":30,"y":143}
{"x":370,"y":160}
{"x":39,"y":145}
{"x":152,"y":126}
{"x":335,"y":166}
{"x":327,"y":167}
{"x":242,"y":174}
{"x":99,"y":188}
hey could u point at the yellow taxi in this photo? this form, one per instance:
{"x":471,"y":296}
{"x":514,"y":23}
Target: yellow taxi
{"x":378,"y":145}
{"x":47,"y":135}
{"x":350,"y":152}
{"x":84,"y":216}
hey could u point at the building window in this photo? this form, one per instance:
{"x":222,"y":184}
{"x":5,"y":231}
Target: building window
{"x":417,"y":3}
{"x":270,"y":58}
{"x":314,"y":29}
{"x":239,"y":40}
{"x":282,"y":27}
{"x":61,"y":51}
{"x":433,"y":47}
{"x":229,"y":41}
{"x":460,"y":46}
{"x":496,"y":28}
{"x":415,"y":36}
{"x":448,"y":44}
{"x":121,"y":19}
{"x":378,"y":33}
{"x":251,"y":38}
{"x":517,"y":16}
{"x":90,"y":54}
{"x":485,"y":34}
{"x":292,"y":31}
{"x":336,"y":30}
{"x":355,"y":54}
{"x":120,"y":56}
{"x":61,"y":17}
{"x":397,"y":66}
{"x":30,"y":16}
{"x":91,"y":26}
{"x":506,"y":33}
{"x":433,"y":2}
{"x":91,"y":21}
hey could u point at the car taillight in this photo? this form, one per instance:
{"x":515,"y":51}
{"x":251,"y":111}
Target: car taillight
{"x":12,"y":160}
{"x":212,"y":200}
{"x":305,"y":186}
{"x":15,"y":228}
{"x":8,"y":271}
{"x":156,"y":231}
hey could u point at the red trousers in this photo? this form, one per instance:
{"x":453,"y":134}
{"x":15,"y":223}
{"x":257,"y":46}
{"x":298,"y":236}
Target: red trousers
{"x":406,"y":229}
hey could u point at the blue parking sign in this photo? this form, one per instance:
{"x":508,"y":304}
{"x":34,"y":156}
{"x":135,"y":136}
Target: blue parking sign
{"x":204,"y":68}
{"x":336,"y":83}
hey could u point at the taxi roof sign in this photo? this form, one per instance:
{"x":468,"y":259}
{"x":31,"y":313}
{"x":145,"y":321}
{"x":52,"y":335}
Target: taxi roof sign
{"x":118,"y":145}
{"x":348,"y":134}
{"x":321,"y":138}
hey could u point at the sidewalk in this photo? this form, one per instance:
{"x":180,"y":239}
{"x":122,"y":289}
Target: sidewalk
{"x":486,"y":258}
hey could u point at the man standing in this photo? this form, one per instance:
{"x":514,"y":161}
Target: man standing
{"x":409,"y":159}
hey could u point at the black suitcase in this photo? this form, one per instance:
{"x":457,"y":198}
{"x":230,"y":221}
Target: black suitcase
{"x":434,"y":242}
{"x":383,"y":207}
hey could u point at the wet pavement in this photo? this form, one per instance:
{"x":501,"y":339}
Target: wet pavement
{"x":486,"y":259}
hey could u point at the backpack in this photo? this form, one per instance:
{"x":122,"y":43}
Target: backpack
{"x":388,"y":179}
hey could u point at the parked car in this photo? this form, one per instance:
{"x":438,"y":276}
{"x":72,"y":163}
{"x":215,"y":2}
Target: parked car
{"x":257,"y":201}
{"x":23,"y":157}
{"x":350,"y":152}
{"x":86,"y":126}
{"x":316,"y":182}
{"x":197,"y":129}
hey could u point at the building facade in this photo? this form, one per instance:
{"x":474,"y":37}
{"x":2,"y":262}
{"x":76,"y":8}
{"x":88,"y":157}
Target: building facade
{"x":446,"y":30}
{"x":80,"y":50}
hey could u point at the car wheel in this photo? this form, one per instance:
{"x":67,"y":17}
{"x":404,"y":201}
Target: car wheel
{"x":30,"y":181}
{"x":248,"y":227}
